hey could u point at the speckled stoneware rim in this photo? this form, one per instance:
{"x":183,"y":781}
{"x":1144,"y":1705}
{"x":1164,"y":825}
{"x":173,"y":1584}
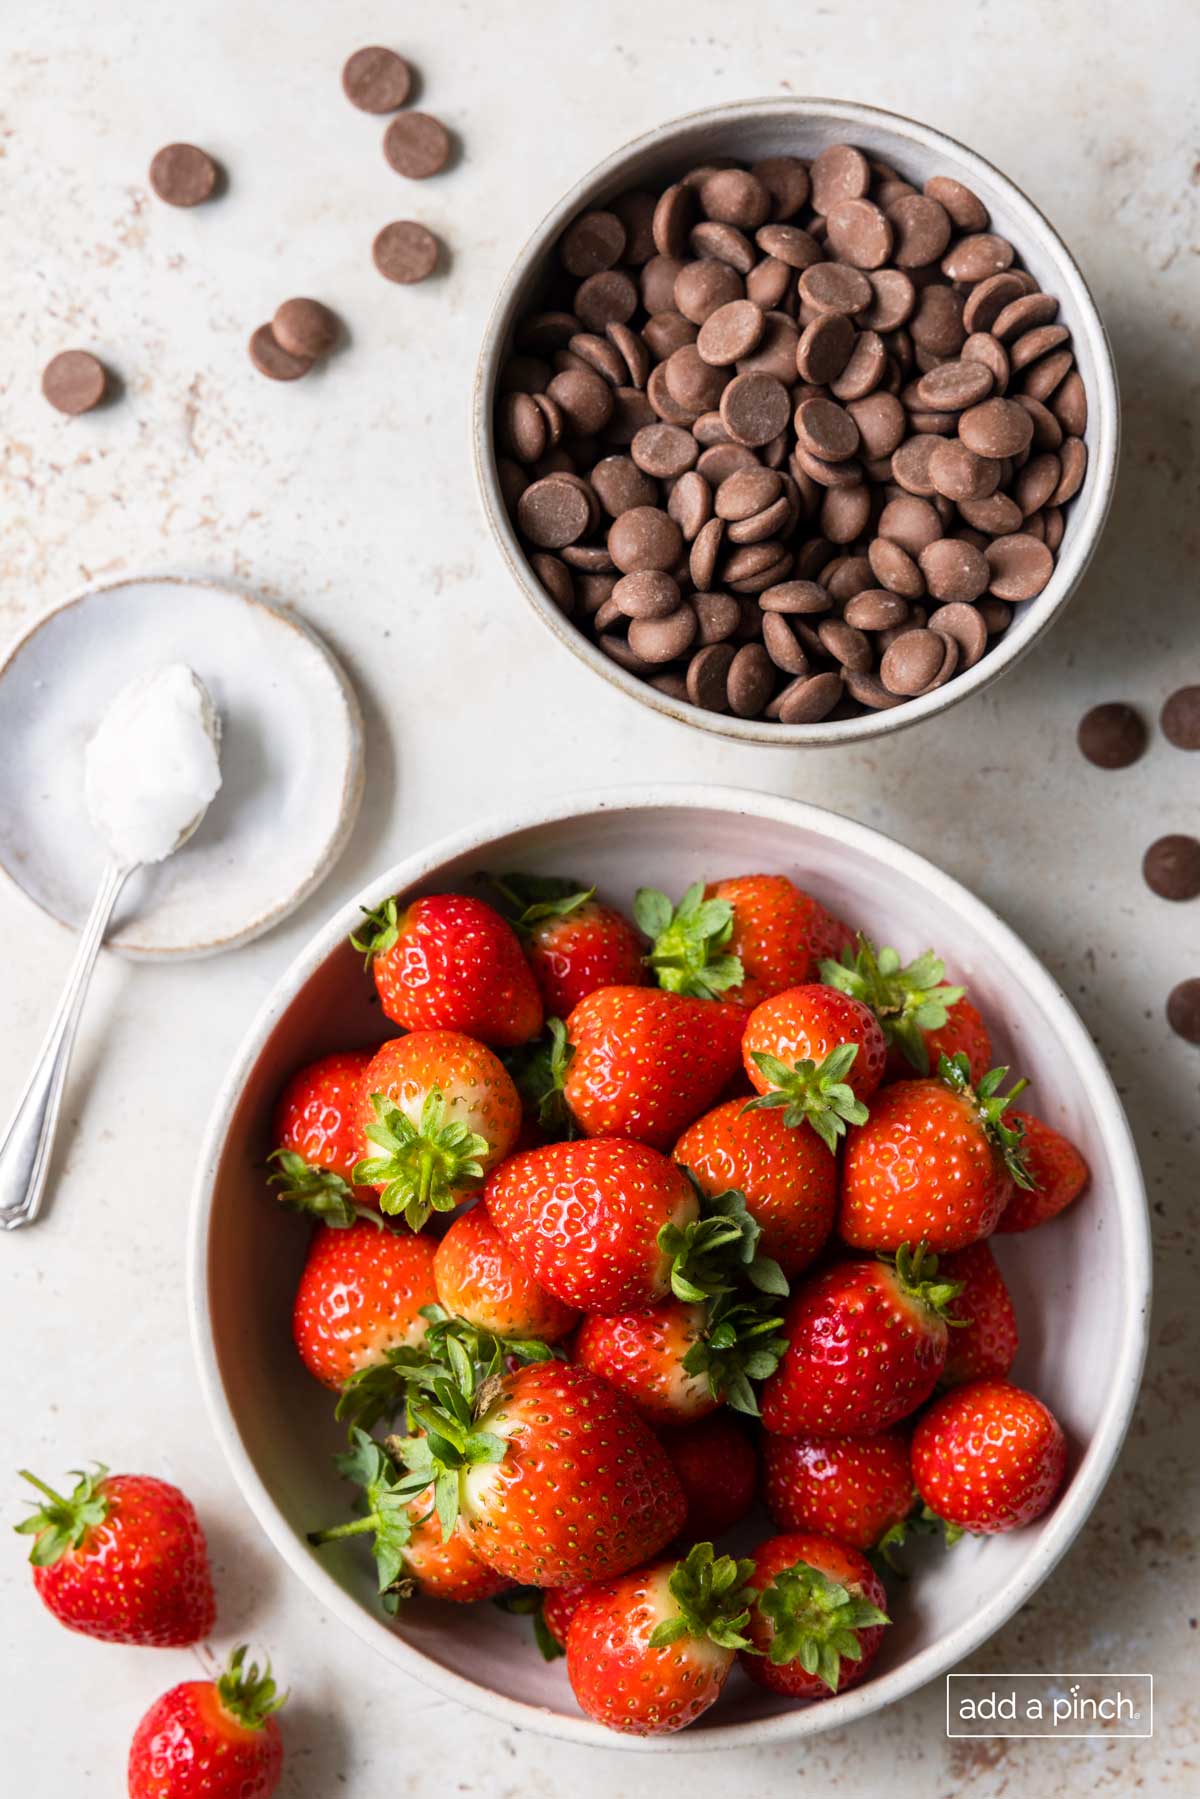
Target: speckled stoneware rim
{"x":892,"y":134}
{"x":1063,"y":1524}
{"x":325,"y":854}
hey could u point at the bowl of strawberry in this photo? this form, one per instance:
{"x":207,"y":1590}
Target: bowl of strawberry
{"x":670,"y":1265}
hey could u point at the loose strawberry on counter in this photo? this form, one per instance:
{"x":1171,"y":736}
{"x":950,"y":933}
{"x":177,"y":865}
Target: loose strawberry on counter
{"x":123,"y":1559}
{"x":480,"y":1279}
{"x":211,"y":1739}
{"x":866,"y":1344}
{"x":818,"y":1618}
{"x":360,"y":1295}
{"x":650,"y":1652}
{"x":438,"y":1110}
{"x":1057,"y":1174}
{"x":936,"y":1161}
{"x":451,"y":963}
{"x":574,"y":942}
{"x":988,"y":1457}
{"x":787,"y":1175}
{"x":318,"y":1136}
{"x":718,"y":1471}
{"x":743,"y":939}
{"x":982,"y":1320}
{"x":646,"y":1063}
{"x":922,"y":1016}
{"x":853,"y":1488}
{"x":411,"y":1554}
{"x":818,"y":1054}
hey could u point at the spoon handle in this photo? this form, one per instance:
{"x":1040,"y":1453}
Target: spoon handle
{"x":27,"y":1143}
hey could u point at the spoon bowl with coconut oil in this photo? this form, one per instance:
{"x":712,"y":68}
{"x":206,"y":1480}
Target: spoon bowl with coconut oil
{"x":151,"y":771}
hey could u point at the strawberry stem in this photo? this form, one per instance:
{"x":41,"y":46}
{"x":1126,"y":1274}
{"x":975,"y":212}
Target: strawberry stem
{"x":246,"y":1694}
{"x":908,"y":999}
{"x":318,"y":1191}
{"x":688,"y":942}
{"x":61,"y":1524}
{"x":812,"y":1093}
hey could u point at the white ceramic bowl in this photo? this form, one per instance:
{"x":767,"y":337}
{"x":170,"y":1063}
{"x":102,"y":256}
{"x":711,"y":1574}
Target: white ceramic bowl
{"x":754,"y":129}
{"x":1082,"y":1308}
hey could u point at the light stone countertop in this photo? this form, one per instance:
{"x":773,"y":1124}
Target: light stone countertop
{"x":350,"y":495}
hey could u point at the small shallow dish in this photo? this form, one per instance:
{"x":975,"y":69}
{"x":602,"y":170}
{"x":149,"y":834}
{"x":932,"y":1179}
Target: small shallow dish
{"x":1082,"y":1310}
{"x":751,"y":130}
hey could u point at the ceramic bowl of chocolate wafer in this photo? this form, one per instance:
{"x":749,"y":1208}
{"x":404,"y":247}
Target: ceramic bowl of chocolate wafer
{"x":796,"y":421}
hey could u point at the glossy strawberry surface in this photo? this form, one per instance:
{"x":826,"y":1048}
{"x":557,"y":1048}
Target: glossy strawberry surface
{"x":474,"y":1084}
{"x":787,"y":1174}
{"x":620,"y":1678}
{"x":456,"y":965}
{"x":592,"y":946}
{"x":446,"y":1568}
{"x":641,"y":1353}
{"x":921,"y":1168}
{"x":188,"y":1746}
{"x":559,"y":1605}
{"x":965,"y":1031}
{"x":806,"y":1023}
{"x":718,"y":1471}
{"x":360,"y":1294}
{"x":479,"y":1278}
{"x":584,"y":1491}
{"x":646,"y":1063}
{"x":780,"y":933}
{"x":851,"y":1488}
{"x":318,"y":1114}
{"x":989,"y":1457}
{"x":862,"y":1353}
{"x":583,"y":1217}
{"x":983,"y":1333}
{"x":1057,"y":1169}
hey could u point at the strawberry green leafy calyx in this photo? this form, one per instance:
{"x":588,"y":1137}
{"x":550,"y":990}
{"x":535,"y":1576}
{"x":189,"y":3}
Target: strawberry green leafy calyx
{"x":713,"y":1600}
{"x":382,"y":1389}
{"x":740,"y":1344}
{"x":421,"y":1170}
{"x":688,"y":942}
{"x":59,"y":1524}
{"x":247,"y":1694}
{"x":386,"y":1519}
{"x":717,"y":1250}
{"x":378,"y":932}
{"x":812,"y":1093}
{"x":990,"y":1106}
{"x":531,"y":899}
{"x":539,"y":1073}
{"x":317,"y":1191}
{"x":907,"y":999}
{"x":814,"y":1621}
{"x":917,"y":1270}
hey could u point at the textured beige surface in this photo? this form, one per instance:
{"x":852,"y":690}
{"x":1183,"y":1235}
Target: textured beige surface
{"x":348,"y":493}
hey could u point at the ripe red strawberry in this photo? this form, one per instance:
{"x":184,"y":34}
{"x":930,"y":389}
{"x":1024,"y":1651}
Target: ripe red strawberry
{"x":317,"y":1116}
{"x":211,"y":1739}
{"x":853,"y":1488}
{"x":650,"y":1652}
{"x":1057,"y":1173}
{"x":574,"y":943}
{"x":438,"y":1110}
{"x":988,"y":1457}
{"x":554,"y":1476}
{"x":123,"y":1559}
{"x":411,"y":1556}
{"x":787,"y":1175}
{"x":559,"y":1605}
{"x":451,"y":963}
{"x":801,"y":1046}
{"x":718,"y":1471}
{"x":584,"y":1219}
{"x":866,"y":1344}
{"x":985,"y":1344}
{"x":818,"y":1620}
{"x":646,"y":1063}
{"x":921,"y":1015}
{"x":480,"y":1279}
{"x":643,"y":1354}
{"x":360,"y":1294}
{"x":936,"y":1161}
{"x":743,"y":939}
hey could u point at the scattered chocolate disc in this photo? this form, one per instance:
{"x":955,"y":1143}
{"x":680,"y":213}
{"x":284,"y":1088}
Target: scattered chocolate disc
{"x":417,"y":145}
{"x":183,"y":175}
{"x":305,"y":328}
{"x":1112,"y":735}
{"x":405,"y":252}
{"x":376,"y":80}
{"x":271,"y":359}
{"x":1171,"y":867}
{"x":1183,"y":1010}
{"x":1181,"y":718}
{"x":74,"y":381}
